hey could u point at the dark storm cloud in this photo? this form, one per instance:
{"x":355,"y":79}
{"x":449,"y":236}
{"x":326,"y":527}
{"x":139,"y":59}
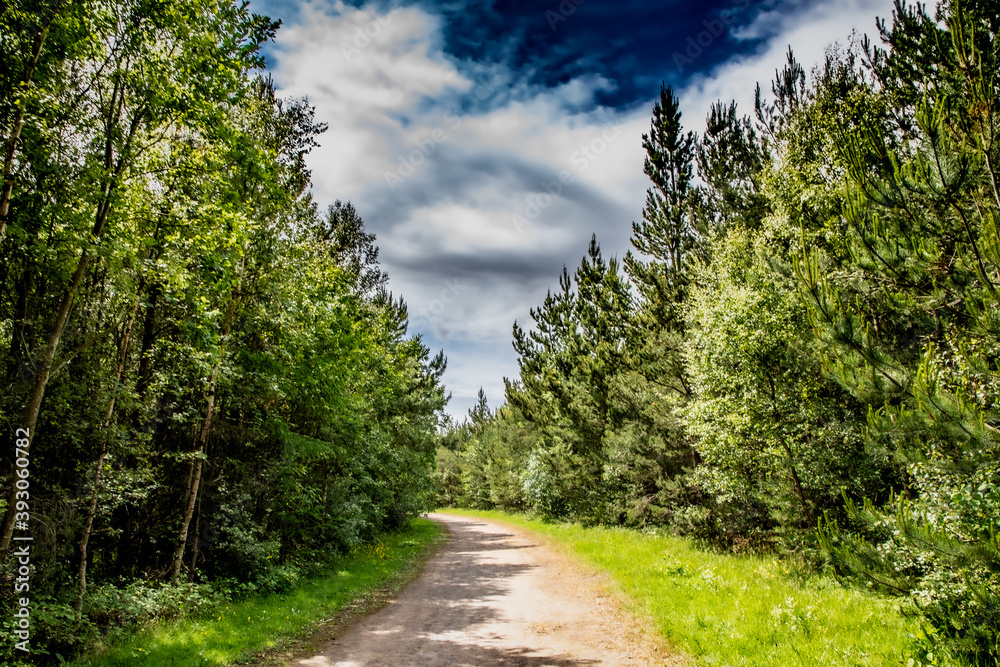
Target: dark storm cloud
{"x":521,"y":267}
{"x":453,"y":171}
{"x":460,"y":174}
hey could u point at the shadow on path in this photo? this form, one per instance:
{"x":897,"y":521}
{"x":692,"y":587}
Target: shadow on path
{"x":457,"y":612}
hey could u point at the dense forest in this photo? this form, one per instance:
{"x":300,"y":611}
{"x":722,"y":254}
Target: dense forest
{"x":204,"y":377}
{"x":209,"y":391}
{"x":801,"y":354}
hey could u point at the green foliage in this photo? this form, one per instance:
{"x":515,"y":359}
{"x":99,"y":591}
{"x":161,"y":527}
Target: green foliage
{"x":810,"y":338}
{"x":777,"y":438}
{"x":569,"y":364}
{"x":908,"y":325}
{"x":486,"y":466}
{"x":241,"y":628}
{"x":218,"y":385}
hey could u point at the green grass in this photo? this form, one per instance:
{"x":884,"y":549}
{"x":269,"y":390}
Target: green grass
{"x":734,"y":610}
{"x":265,"y":624}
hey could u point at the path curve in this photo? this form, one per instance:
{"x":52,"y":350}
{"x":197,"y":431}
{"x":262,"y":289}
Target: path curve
{"x":492,"y":596}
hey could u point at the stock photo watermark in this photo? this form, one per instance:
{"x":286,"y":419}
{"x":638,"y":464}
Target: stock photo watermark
{"x":562,"y":12}
{"x":363,"y":36}
{"x":714,"y":28}
{"x":452,"y":290}
{"x":408,"y":164}
{"x":550,"y":191}
{"x":22,"y":541}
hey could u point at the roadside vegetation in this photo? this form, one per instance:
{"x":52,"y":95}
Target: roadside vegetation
{"x":799,"y":355}
{"x":725,"y":609}
{"x":211,"y":393}
{"x":263,"y":626}
{"x":212,"y":389}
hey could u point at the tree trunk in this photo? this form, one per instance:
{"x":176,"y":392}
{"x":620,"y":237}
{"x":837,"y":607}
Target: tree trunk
{"x":92,"y":508}
{"x":194,"y":483}
{"x":15,"y":135}
{"x":797,"y":483}
{"x":148,"y":338}
{"x":194,"y":545}
{"x":35,"y":401}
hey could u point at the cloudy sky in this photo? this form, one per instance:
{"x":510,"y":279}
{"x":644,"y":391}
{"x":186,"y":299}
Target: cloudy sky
{"x":484,"y":141}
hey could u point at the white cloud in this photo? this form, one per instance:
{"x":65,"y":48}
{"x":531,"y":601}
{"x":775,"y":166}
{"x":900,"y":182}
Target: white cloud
{"x":438,"y":156}
{"x":459,"y":166}
{"x":364,"y":72}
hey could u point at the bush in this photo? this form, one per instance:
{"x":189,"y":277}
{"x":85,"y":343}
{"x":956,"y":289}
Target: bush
{"x":141,"y":602}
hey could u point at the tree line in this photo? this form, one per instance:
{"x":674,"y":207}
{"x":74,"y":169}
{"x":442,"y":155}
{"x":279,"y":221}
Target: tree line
{"x":217,"y":384}
{"x":801,"y":351}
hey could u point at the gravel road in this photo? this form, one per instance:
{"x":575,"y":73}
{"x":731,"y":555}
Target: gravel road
{"x":493,"y":596}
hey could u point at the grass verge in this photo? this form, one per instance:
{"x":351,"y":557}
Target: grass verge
{"x":734,"y":610}
{"x":266,"y":630}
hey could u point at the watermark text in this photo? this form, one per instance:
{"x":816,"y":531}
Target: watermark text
{"x":22,"y":548}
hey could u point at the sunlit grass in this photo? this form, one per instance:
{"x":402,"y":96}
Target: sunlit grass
{"x":243,"y":629}
{"x":735,"y":610}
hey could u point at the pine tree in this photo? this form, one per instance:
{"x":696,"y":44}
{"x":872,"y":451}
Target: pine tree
{"x":582,"y":340}
{"x":910,"y":322}
{"x":480,"y":414}
{"x":667,"y":237}
{"x":731,"y":159}
{"x":666,"y":234}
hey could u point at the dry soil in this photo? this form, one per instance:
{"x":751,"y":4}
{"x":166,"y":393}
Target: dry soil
{"x":494,"y":596}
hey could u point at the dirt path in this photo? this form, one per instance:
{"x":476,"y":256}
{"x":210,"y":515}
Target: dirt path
{"x":492,"y":596}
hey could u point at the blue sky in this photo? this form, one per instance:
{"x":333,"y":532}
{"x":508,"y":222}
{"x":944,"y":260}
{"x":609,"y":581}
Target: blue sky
{"x":484,"y":142}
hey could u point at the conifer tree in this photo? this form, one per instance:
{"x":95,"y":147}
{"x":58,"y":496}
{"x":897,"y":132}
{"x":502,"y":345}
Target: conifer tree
{"x":731,"y":158}
{"x":666,"y":234}
{"x":581,"y":341}
{"x":909,"y":322}
{"x":666,"y":238}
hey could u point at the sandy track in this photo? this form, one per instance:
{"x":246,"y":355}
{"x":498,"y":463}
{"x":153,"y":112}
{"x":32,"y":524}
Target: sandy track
{"x":492,"y":596}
